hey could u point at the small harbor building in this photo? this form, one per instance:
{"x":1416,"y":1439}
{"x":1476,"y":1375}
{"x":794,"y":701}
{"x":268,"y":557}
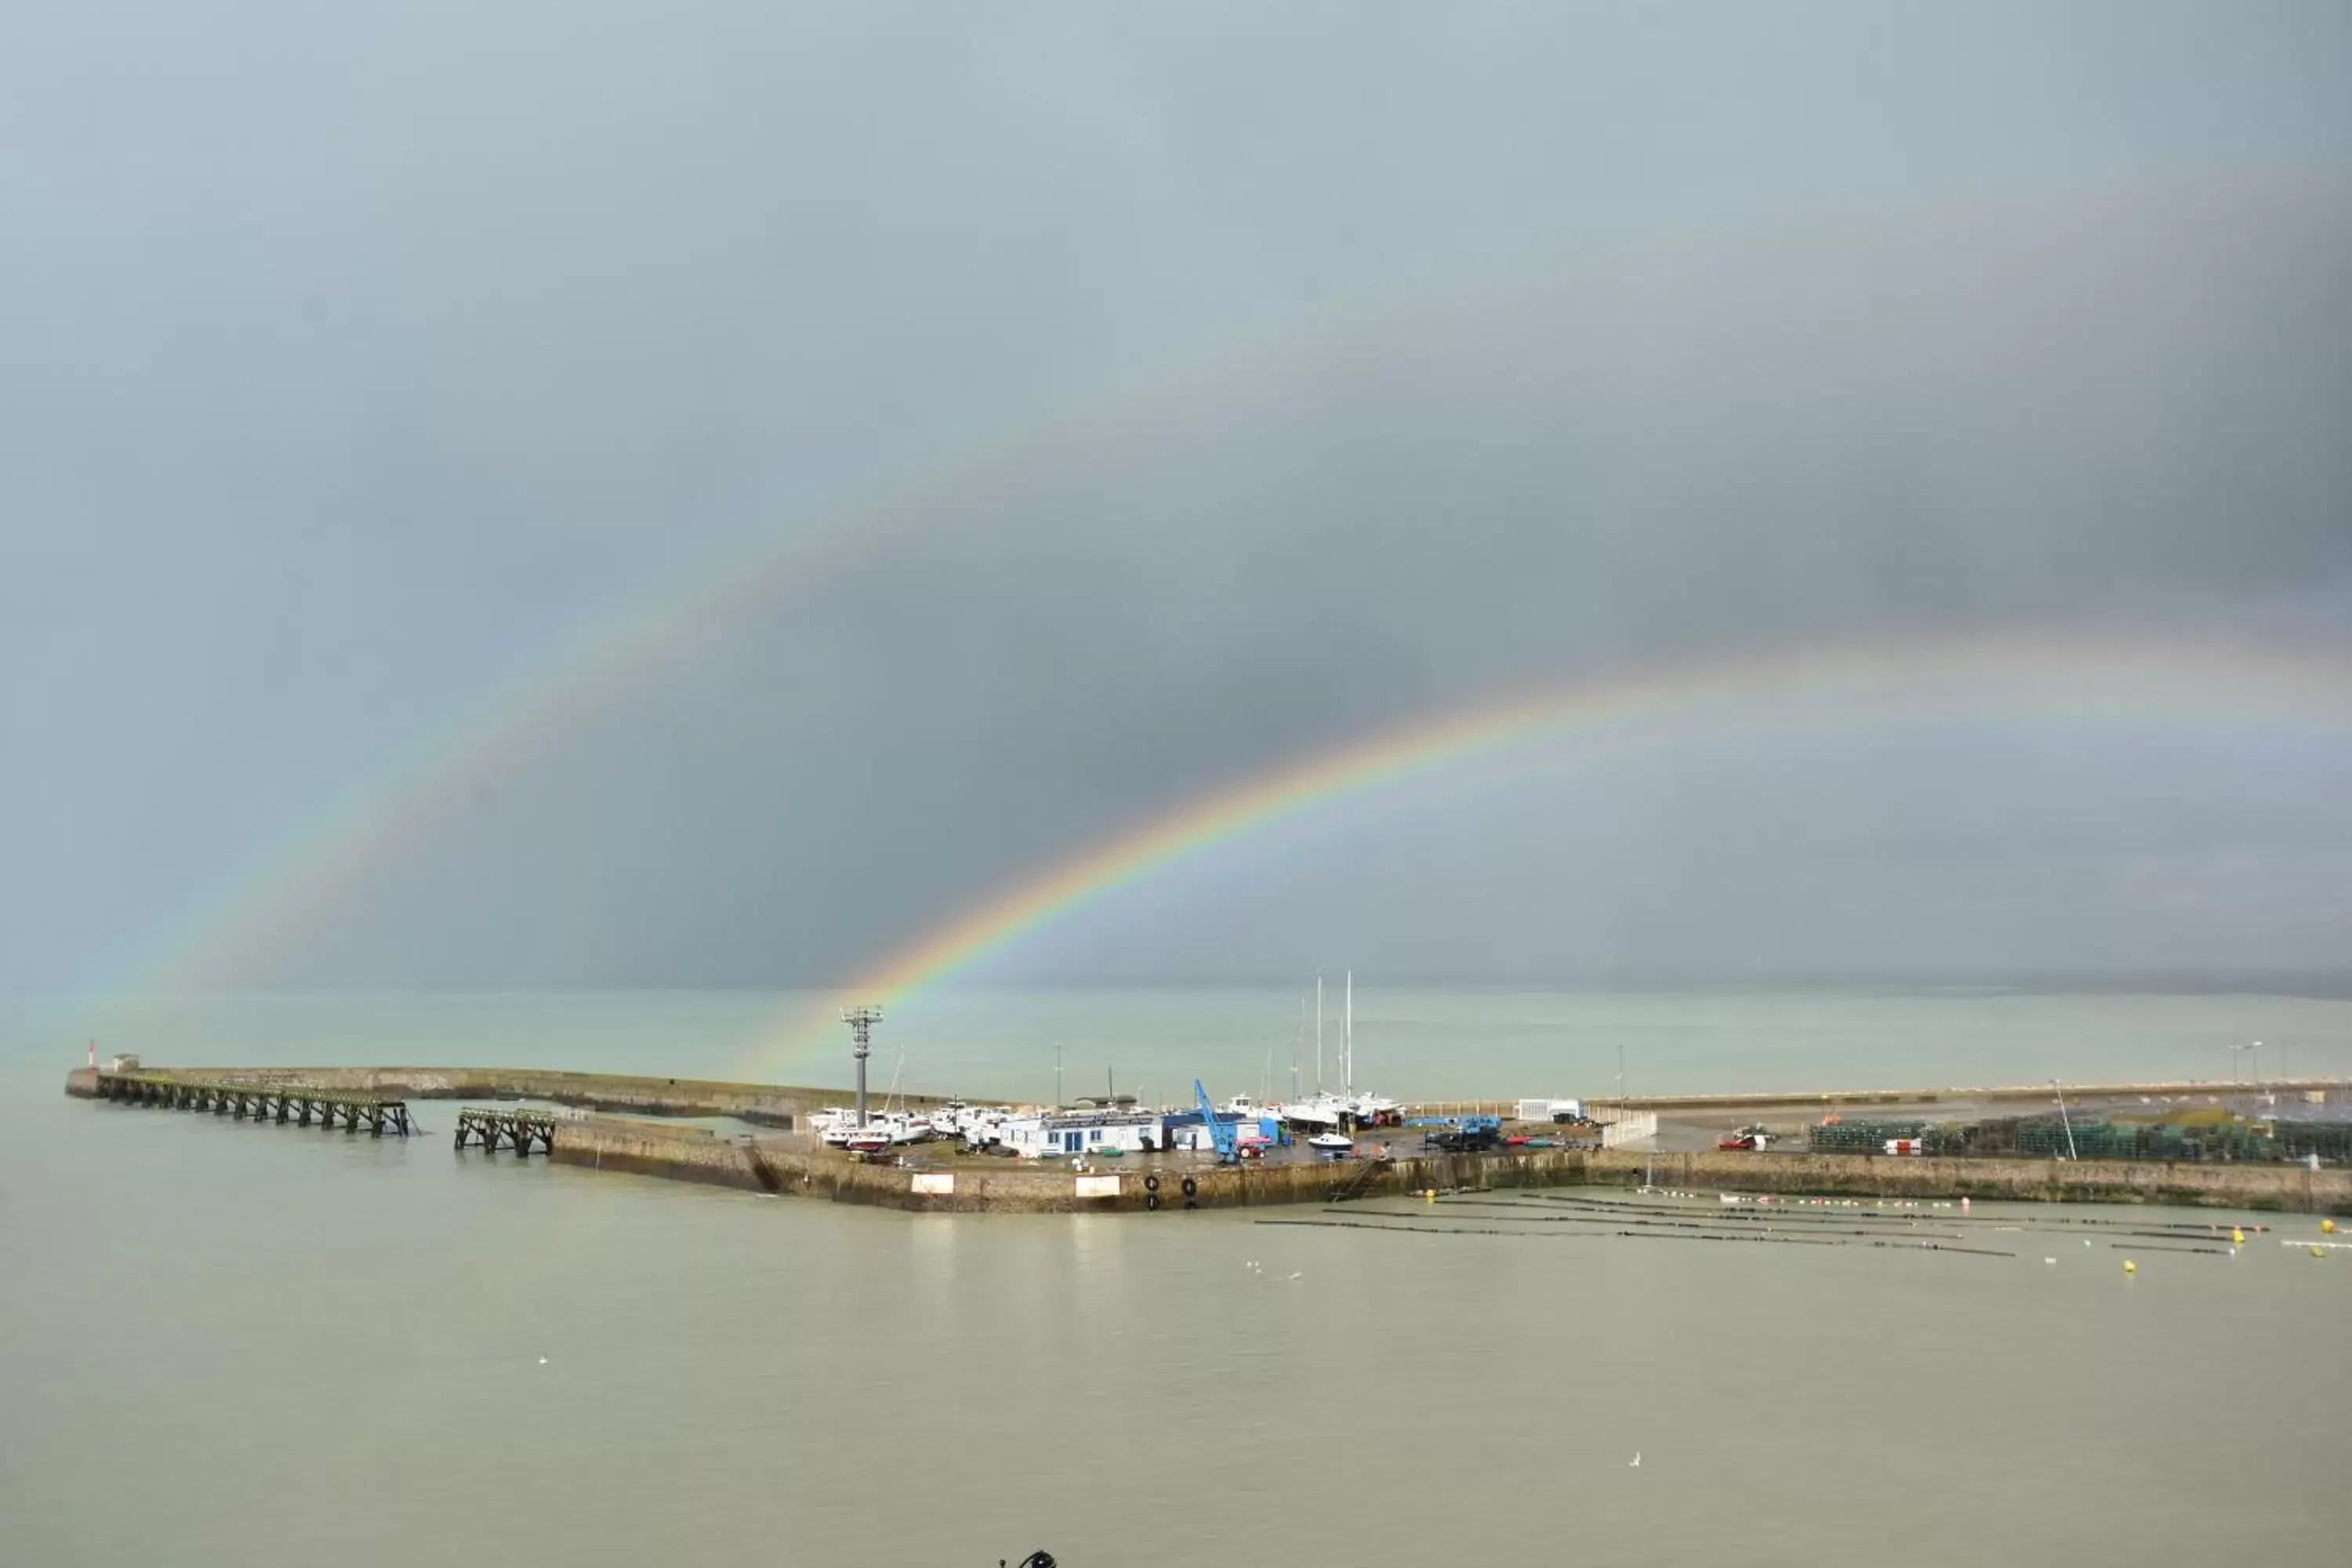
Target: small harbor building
{"x":1058,"y":1133}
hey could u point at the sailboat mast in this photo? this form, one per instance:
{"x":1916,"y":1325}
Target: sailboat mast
{"x":1319,"y":1033}
{"x":1347,"y":1039}
{"x":1297,"y":1035}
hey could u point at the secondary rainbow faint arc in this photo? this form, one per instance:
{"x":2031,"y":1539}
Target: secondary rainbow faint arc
{"x":263,"y":910}
{"x":239,"y":928}
{"x":2296,"y":683}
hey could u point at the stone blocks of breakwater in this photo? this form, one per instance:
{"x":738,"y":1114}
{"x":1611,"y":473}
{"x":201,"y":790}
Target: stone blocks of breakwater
{"x":973,"y":1186}
{"x":1005,"y":1187}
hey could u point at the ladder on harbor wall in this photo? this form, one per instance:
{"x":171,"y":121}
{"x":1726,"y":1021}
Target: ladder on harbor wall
{"x":1361,"y":1182}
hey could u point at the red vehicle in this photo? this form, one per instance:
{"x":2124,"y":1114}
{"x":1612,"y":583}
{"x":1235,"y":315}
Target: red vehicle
{"x":1745,"y":1138}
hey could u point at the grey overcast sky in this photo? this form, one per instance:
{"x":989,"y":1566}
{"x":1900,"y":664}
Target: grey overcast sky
{"x":1251,"y":377}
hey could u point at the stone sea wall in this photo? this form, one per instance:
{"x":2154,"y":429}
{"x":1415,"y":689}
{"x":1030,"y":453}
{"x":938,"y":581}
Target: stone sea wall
{"x":764,"y":1164}
{"x":965,"y":1186}
{"x":969,"y":1185}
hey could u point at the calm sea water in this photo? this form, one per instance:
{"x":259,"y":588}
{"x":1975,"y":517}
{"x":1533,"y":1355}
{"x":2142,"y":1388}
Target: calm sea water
{"x":225,"y":1345}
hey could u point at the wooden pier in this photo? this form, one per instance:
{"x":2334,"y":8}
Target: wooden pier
{"x":519,"y":1130}
{"x":261,"y":1101}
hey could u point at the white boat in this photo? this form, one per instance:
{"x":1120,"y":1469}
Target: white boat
{"x":1321,"y":1113}
{"x":1331,"y":1142}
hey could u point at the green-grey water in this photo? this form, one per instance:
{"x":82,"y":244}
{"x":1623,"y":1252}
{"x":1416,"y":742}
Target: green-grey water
{"x":222,"y":1343}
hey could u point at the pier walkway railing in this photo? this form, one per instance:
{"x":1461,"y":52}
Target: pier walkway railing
{"x":261,"y":1101}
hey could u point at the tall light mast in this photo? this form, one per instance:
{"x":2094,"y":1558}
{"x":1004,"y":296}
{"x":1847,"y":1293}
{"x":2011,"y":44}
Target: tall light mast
{"x":861,"y":1022}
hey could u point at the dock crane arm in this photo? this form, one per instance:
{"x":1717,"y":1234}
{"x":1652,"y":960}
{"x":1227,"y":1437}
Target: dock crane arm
{"x":1227,"y":1139}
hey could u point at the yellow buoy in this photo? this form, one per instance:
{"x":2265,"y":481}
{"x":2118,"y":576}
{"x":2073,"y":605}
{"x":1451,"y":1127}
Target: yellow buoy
{"x":2318,"y":1251}
{"x":2327,"y":1227}
{"x":2130,"y":1267}
{"x":2237,"y":1237}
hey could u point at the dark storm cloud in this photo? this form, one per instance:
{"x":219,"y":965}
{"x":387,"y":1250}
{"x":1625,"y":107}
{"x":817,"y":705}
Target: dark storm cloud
{"x":359,"y":363}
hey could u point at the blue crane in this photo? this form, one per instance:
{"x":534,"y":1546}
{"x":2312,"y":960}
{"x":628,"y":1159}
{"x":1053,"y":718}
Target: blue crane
{"x":1222,"y":1133}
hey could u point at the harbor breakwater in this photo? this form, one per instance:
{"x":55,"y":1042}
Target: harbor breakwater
{"x":973,"y":1186}
{"x":796,"y":1167}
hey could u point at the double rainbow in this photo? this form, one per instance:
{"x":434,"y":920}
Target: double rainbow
{"x":2043,"y":675}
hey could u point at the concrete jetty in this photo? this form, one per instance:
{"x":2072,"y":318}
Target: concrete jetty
{"x":931,"y":1179}
{"x":968,"y":1185}
{"x":973,"y":1185}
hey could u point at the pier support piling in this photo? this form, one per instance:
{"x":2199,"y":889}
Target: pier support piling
{"x":242,"y":1103}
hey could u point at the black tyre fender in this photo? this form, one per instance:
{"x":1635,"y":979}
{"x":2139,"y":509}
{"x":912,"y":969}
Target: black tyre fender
{"x":1191,"y":1186}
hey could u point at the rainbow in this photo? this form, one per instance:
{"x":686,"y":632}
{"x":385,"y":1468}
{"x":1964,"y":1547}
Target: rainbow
{"x":2074,"y":677}
{"x":232,"y":935}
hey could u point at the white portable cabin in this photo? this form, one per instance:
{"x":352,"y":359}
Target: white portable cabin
{"x":1060,"y":1135}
